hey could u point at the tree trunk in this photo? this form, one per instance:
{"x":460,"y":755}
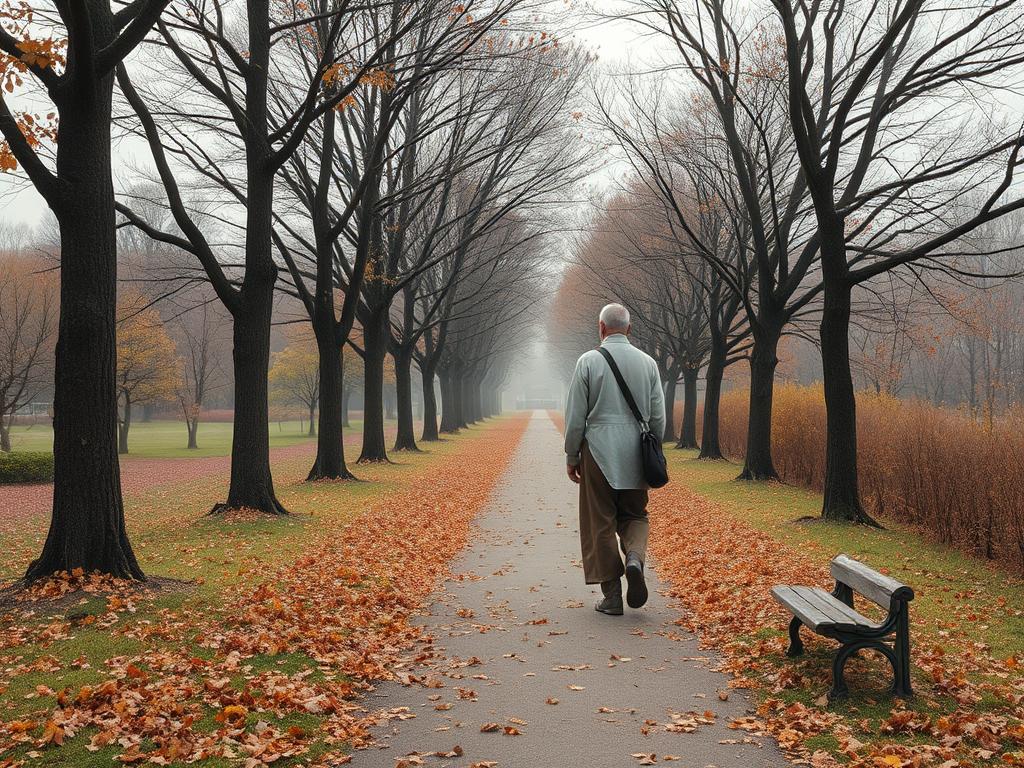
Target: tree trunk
{"x":124,"y":425}
{"x":252,"y":484}
{"x":476,"y":393}
{"x":374,"y":333}
{"x":406,"y":438}
{"x":450,"y":403}
{"x":758,"y":464}
{"x":710,"y":444}
{"x":688,"y":433}
{"x":5,"y":433}
{"x":312,"y":421}
{"x":330,"y":445}
{"x":192,"y":425}
{"x":467,"y":401}
{"x":87,"y":526}
{"x":670,"y":406}
{"x":841,"y":495}
{"x":429,"y":406}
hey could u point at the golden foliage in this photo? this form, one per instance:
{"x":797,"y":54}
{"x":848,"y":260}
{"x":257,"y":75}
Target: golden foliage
{"x":920,"y":464}
{"x":147,"y":360}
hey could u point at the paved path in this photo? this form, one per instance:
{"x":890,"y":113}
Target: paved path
{"x":517,"y":629}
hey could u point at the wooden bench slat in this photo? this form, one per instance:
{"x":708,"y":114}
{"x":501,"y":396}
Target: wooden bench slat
{"x":842,"y":613}
{"x":875,"y":586}
{"x":817,"y":608}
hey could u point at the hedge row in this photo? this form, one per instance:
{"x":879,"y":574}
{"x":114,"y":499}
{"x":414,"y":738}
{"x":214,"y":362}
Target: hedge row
{"x":959,"y":478}
{"x":26,"y":467}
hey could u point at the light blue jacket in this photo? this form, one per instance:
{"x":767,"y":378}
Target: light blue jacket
{"x":596,"y":411}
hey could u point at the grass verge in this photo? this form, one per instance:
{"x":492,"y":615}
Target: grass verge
{"x":286,"y":620}
{"x":722,"y":544}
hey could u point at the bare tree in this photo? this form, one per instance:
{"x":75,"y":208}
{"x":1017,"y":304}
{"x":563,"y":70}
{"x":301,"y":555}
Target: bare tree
{"x":28,"y":322}
{"x":891,"y":175}
{"x":87,"y":527}
{"x":232,"y":131}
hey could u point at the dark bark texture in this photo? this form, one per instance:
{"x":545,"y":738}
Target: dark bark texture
{"x":87,"y":527}
{"x":758,"y":464}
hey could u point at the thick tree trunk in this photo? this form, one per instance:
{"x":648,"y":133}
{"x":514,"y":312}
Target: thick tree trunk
{"x":87,"y":526}
{"x":841,"y":494}
{"x":688,"y":433}
{"x":451,"y":390}
{"x":406,"y":438}
{"x":758,"y":464}
{"x":330,"y":445}
{"x":476,"y":392}
{"x":465,"y":402}
{"x":192,"y":425}
{"x":710,"y":444}
{"x":670,"y":406}
{"x":375,"y":350}
{"x":470,"y":400}
{"x":5,"y":433}
{"x":124,"y":425}
{"x":429,"y":406}
{"x":252,"y":484}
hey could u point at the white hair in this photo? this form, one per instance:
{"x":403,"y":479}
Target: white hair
{"x":615,"y":317}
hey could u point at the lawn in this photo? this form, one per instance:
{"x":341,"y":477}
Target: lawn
{"x":266,"y":630}
{"x":168,"y":439}
{"x":938,"y":574}
{"x":724,"y":542}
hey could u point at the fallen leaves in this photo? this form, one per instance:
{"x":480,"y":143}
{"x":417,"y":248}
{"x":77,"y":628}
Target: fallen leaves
{"x":722,"y":569}
{"x":342,"y":609}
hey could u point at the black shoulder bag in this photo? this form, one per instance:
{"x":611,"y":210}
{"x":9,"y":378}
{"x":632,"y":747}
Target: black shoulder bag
{"x":652,"y":457}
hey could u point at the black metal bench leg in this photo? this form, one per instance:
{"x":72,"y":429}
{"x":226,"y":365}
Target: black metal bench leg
{"x":796,"y":645}
{"x":901,"y":668}
{"x":839,"y":689}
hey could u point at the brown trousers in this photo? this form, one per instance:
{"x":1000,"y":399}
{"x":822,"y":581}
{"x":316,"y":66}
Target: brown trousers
{"x":607,"y":513}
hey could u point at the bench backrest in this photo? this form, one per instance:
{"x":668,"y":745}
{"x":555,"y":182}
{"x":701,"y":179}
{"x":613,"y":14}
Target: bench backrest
{"x":875,"y":586}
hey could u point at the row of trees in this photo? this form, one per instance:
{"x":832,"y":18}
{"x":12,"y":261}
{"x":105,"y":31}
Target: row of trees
{"x":809,"y":155}
{"x":386,"y":164}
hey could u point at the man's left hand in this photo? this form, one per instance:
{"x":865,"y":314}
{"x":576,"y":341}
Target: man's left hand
{"x":573,"y":470}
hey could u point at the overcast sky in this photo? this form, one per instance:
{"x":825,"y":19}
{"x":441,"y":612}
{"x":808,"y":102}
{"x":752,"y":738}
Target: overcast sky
{"x":615,"y":43}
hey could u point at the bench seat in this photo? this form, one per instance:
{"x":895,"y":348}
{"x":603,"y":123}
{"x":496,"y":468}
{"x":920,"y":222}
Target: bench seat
{"x":819,"y":610}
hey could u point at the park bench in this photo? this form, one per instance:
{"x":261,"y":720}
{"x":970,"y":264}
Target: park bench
{"x":831,"y":614}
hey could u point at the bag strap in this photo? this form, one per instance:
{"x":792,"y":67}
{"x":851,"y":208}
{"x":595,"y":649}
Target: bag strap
{"x":623,"y":387}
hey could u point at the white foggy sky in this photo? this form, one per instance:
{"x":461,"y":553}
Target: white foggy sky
{"x":615,"y":43}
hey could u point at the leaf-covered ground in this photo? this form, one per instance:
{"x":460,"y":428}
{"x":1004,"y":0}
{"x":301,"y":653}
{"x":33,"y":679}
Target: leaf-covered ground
{"x":257,"y":647}
{"x":722,"y":544}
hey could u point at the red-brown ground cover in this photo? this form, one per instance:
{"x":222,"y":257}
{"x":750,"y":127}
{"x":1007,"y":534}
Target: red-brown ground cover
{"x":22,"y":501}
{"x":968,"y":707}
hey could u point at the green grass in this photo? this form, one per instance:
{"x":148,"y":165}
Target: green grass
{"x":959,"y":600}
{"x":948,"y":584}
{"x":168,"y":439}
{"x":173,"y":537}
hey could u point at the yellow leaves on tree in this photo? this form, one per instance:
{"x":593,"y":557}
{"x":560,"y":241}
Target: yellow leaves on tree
{"x":147,"y":360}
{"x":295,"y":373}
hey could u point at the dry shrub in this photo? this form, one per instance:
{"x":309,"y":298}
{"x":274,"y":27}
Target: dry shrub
{"x":931,"y":467}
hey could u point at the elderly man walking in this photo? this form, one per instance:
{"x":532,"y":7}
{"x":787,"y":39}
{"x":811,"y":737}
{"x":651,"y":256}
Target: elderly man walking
{"x":603,"y":457}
